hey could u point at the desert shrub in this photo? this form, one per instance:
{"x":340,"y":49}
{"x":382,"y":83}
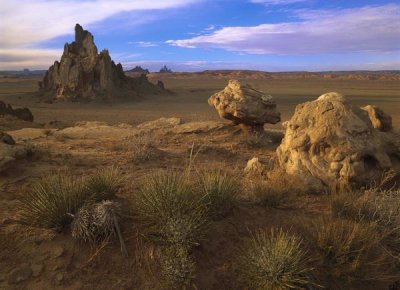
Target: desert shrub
{"x":177,"y":267}
{"x":274,"y":260}
{"x":170,"y":210}
{"x":103,"y":184}
{"x":373,"y":205}
{"x":52,"y":201}
{"x":95,"y":222}
{"x":171,"y":213}
{"x":35,"y":151}
{"x":266,"y":195}
{"x":141,"y":148}
{"x":349,"y":251}
{"x":220,"y":191}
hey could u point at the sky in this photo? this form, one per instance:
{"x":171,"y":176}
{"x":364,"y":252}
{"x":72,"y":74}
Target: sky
{"x":197,"y":35}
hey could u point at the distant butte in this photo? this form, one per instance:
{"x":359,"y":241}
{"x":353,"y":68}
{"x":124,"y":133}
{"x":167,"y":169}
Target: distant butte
{"x":84,"y":74}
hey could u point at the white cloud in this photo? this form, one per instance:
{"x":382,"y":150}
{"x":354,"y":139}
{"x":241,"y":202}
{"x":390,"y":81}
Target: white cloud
{"x":144,"y":43}
{"x":27,"y":58}
{"x":25,"y":22}
{"x":366,"y":29}
{"x":277,"y":2}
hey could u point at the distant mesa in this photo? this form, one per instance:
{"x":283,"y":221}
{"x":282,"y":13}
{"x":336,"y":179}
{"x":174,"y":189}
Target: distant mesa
{"x":138,"y":69}
{"x":165,"y":69}
{"x":83,"y":74}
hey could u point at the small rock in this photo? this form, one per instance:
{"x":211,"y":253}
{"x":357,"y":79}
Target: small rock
{"x":60,"y":277}
{"x":20,"y":274}
{"x":254,"y":166}
{"x":58,"y":251}
{"x":37,"y":269}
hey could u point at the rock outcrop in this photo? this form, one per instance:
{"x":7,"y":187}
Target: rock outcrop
{"x":21,"y":113}
{"x":379,"y":119}
{"x":83,"y":74}
{"x":244,"y":105}
{"x":9,"y":152}
{"x":328,"y":141}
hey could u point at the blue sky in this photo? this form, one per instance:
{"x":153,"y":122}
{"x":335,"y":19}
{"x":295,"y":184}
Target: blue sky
{"x":195,"y":35}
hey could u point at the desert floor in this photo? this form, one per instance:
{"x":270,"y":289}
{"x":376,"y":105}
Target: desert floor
{"x":50,"y":260}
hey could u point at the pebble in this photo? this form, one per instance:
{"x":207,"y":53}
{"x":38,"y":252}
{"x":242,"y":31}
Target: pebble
{"x":37,"y":269}
{"x":19,"y":275}
{"x":58,"y":252}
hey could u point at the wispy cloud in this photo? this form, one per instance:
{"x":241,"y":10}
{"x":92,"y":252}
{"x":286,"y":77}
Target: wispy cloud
{"x":25,"y":22}
{"x":144,"y":43}
{"x":27,"y":58}
{"x":278,"y":2}
{"x":366,"y":29}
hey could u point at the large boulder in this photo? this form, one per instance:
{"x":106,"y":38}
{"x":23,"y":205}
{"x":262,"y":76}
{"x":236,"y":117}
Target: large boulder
{"x":21,"y":113}
{"x":328,"y":141}
{"x":244,"y":105}
{"x":83,"y":74}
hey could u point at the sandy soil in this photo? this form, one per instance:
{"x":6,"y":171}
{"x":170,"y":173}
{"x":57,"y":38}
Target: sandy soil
{"x":56,"y":261}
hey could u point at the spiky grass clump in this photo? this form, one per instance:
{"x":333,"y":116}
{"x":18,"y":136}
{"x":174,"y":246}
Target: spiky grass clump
{"x":263,"y":194}
{"x":142,"y":148}
{"x":103,"y":184}
{"x":170,"y":210}
{"x":274,"y":260}
{"x":95,"y":222}
{"x":220,"y":191}
{"x":52,"y":201}
{"x":373,"y":205}
{"x":349,"y":250}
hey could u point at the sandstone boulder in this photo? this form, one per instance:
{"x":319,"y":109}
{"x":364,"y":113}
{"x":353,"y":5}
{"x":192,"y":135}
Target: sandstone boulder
{"x":244,"y":105}
{"x":21,"y":113}
{"x":328,"y":141}
{"x":83,"y":74}
{"x":379,"y":119}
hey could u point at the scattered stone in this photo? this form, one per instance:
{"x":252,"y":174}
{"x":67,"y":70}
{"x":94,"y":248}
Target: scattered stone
{"x":83,"y":74}
{"x":244,"y":105}
{"x":198,"y":127}
{"x":254,"y":167}
{"x":379,"y":119}
{"x":161,"y":123}
{"x":58,"y":251}
{"x":21,"y":113}
{"x":20,"y":274}
{"x":9,"y":153}
{"x":6,"y":138}
{"x":59,"y":277}
{"x":37,"y":269}
{"x":328,"y":141}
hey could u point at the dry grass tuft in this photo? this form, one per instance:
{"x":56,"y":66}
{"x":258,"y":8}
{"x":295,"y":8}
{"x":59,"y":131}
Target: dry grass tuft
{"x":170,"y":210}
{"x":104,"y":184}
{"x":52,"y":201}
{"x":274,"y":260}
{"x":350,"y":251}
{"x":141,"y":148}
{"x":220,"y":191}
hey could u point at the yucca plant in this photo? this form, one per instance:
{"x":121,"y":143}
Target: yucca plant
{"x":103,"y":184}
{"x":274,"y":260}
{"x":220,"y":191}
{"x":53,"y":201}
{"x":169,"y":209}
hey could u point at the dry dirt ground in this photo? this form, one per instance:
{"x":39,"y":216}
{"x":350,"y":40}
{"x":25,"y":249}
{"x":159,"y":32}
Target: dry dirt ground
{"x":48,"y":260}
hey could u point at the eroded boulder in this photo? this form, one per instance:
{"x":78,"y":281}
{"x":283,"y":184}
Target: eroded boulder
{"x":328,"y":141}
{"x":379,"y":119}
{"x":242,"y":104}
{"x":9,"y":152}
{"x":85,"y":74}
